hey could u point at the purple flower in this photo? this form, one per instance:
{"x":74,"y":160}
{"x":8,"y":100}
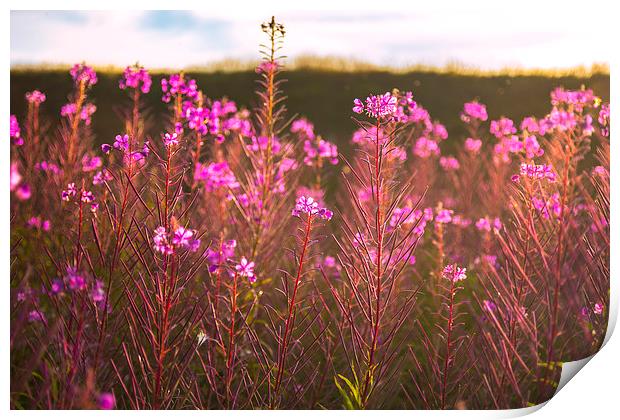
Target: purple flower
{"x":75,"y":280}
{"x":537,"y":171}
{"x":36,"y":316}
{"x":444,"y":216}
{"x":310,"y":206}
{"x":449,"y":163}
{"x":15,"y":131}
{"x":215,"y":176}
{"x":425,"y":147}
{"x":303,"y":127}
{"x":160,"y":241}
{"x":121,"y":142}
{"x":87,"y":197}
{"x":102,"y":176}
{"x":489,"y":305}
{"x":23,"y":192}
{"x":91,"y":163}
{"x":502,"y":128}
{"x":185,"y":238}
{"x":598,"y":308}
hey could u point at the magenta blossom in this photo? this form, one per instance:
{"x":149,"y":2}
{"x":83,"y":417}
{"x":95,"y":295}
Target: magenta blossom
{"x":15,"y":131}
{"x":81,"y":73}
{"x":106,"y":401}
{"x":473,"y":145}
{"x":35,"y":97}
{"x":136,"y":77}
{"x":454,"y":273}
{"x":474,"y":111}
{"x":310,"y":207}
{"x":171,"y":139}
{"x":376,"y":106}
{"x":245,"y":268}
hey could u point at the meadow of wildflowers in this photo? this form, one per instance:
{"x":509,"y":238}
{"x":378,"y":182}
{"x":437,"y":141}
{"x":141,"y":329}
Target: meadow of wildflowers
{"x":205,"y":267}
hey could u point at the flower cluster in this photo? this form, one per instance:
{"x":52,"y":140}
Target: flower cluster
{"x":454,"y":273}
{"x":171,"y":139}
{"x":21,"y":189}
{"x":136,"y":77}
{"x":216,"y":175}
{"x":425,"y":147}
{"x":376,"y":106}
{"x":81,"y":73}
{"x":245,"y":268}
{"x":91,"y":163}
{"x":577,"y":99}
{"x":38,"y":223}
{"x":537,"y":171}
{"x":603,"y":119}
{"x":86,"y":112}
{"x":474,"y":111}
{"x":35,"y":97}
{"x":449,"y":163}
{"x":473,"y":145}
{"x":176,"y":85}
{"x":15,"y":134}
{"x":181,"y":238}
{"x":310,"y":207}
{"x":318,"y":149}
{"x":218,"y":257}
{"x":486,"y":224}
{"x":551,"y":206}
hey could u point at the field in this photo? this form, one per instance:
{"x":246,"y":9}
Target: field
{"x":341,"y":240}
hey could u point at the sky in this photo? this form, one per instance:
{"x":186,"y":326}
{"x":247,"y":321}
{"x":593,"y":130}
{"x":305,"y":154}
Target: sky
{"x":477,"y":33}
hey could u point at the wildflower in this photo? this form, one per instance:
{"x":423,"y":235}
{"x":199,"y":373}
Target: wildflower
{"x":376,"y":106}
{"x":309,"y":206}
{"x":36,"y":316}
{"x":81,"y":73}
{"x":245,"y":268}
{"x":15,"y":133}
{"x":603,"y":119}
{"x":454,"y":273}
{"x":121,"y":142}
{"x":444,"y":216}
{"x":160,"y":241}
{"x":502,"y":128}
{"x":474,"y":110}
{"x":98,"y":292}
{"x":23,"y":192}
{"x":449,"y":163}
{"x":106,"y":401}
{"x":171,"y":139}
{"x":304,"y":127}
{"x":532,"y":148}
{"x":46,"y":166}
{"x":424,"y":147}
{"x":136,"y":77}
{"x":473,"y":145}
{"x":537,"y":171}
{"x":267,"y":67}
{"x":36,"y":222}
{"x":35,"y":97}
{"x":91,"y":163}
{"x":176,"y":85}
{"x":185,"y":238}
{"x":598,"y":308}
{"x":75,"y":280}
{"x":320,"y":149}
{"x":87,"y":197}
{"x":529,"y":125}
{"x":102,"y":177}
{"x":489,"y":305}
{"x":215,"y":176}
{"x":219,"y":257}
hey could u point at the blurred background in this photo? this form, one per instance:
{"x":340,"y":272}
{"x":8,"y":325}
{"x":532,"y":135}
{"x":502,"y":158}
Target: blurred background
{"x":508,"y":55}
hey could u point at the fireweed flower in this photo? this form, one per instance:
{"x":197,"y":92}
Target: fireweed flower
{"x":578,"y":99}
{"x":215,"y":176}
{"x":15,"y":131}
{"x":449,"y":163}
{"x":245,"y":268}
{"x":45,"y":166}
{"x":533,"y":171}
{"x":87,"y":197}
{"x":86,"y":112}
{"x":91,"y":163}
{"x":81,"y":73}
{"x":444,"y":216}
{"x":474,"y":111}
{"x":486,"y":224}
{"x":454,"y":273}
{"x":303,"y":127}
{"x":176,"y":85}
{"x":548,"y":207}
{"x":598,"y":308}
{"x":106,"y":401}
{"x":36,"y":316}
{"x":36,"y":222}
{"x":473,"y":145}
{"x":136,"y":77}
{"x":74,"y":280}
{"x":376,"y":106}
{"x":529,"y":125}
{"x":532,"y":148}
{"x":320,"y":149}
{"x":502,"y":128}
{"x":310,"y":207}
{"x":171,"y":139}
{"x":101,"y":177}
{"x":69,"y":193}
{"x":425,"y":147}
{"x":181,"y":238}
{"x":16,"y":177}
{"x":35,"y":97}
{"x":23,"y":192}
{"x":219,"y":257}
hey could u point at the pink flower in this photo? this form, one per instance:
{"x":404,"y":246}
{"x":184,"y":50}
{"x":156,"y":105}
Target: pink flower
{"x":215,"y":176}
{"x":106,"y":401}
{"x":425,"y":147}
{"x":136,"y":77}
{"x":16,"y":177}
{"x":502,"y":128}
{"x":82,"y":73}
{"x":449,"y":163}
{"x":474,"y":110}
{"x":309,"y":206}
{"x":533,"y":171}
{"x":160,"y":241}
{"x":473,"y":145}
{"x":15,"y":131}
{"x":444,"y":216}
{"x":454,"y":273}
{"x":35,"y":97}
{"x":245,"y":268}
{"x":598,"y":308}
{"x":171,"y":139}
{"x":23,"y":192}
{"x":376,"y":106}
{"x":91,"y":163}
{"x":304,"y":127}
